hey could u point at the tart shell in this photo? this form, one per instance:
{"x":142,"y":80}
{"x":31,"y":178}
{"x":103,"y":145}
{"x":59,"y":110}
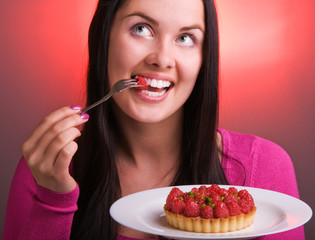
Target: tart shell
{"x":212,"y":225}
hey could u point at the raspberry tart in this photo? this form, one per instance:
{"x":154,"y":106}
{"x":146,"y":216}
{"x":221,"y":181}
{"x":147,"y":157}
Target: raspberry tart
{"x":210,"y":209}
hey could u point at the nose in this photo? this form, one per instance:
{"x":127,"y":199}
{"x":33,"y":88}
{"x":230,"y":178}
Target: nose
{"x":161,"y":56}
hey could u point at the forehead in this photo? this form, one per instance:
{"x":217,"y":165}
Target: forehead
{"x":177,"y":12}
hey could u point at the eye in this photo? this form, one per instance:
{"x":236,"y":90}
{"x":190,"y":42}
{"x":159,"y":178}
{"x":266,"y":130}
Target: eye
{"x":142,"y":30}
{"x":187,"y":40}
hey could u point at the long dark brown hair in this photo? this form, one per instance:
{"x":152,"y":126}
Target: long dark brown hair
{"x":94,"y":165}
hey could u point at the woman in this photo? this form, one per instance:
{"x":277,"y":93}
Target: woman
{"x":171,"y":126}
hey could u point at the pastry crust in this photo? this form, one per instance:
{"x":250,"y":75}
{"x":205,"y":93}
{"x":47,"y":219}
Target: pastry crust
{"x":212,"y":225}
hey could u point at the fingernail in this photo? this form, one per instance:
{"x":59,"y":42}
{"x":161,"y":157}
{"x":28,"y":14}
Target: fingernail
{"x":75,"y":107}
{"x":84,"y":116}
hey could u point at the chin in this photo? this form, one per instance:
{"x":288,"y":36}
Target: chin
{"x":147,"y":117}
{"x":154,"y":116}
{"x":148,"y":112}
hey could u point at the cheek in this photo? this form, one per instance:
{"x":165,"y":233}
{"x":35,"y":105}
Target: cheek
{"x":189,"y":68}
{"x":188,"y":72}
{"x":124,"y":55}
{"x":117,"y":57}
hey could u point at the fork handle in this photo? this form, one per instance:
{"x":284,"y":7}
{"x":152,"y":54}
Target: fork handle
{"x":97,"y":103}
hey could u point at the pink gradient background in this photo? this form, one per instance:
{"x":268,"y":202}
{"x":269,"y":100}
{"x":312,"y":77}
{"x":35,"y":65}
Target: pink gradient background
{"x":267,"y":74}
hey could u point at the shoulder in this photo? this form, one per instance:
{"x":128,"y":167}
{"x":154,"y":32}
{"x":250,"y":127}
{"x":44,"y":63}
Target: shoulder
{"x":249,"y":145}
{"x":266,"y":164}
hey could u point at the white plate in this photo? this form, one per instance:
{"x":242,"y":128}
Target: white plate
{"x":276,"y":212}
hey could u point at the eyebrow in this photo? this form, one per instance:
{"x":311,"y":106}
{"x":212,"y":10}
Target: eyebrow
{"x":154,"y":22}
{"x":146,"y":17}
{"x":192,"y":27}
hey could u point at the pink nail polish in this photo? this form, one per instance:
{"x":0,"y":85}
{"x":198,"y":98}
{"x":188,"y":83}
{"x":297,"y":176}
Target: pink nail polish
{"x":84,"y":116}
{"x":75,"y":107}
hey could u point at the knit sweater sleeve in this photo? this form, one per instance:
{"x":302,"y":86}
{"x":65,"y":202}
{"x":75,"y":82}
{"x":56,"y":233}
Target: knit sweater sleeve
{"x":265,"y":165}
{"x":274,"y":170}
{"x":34,"y":212}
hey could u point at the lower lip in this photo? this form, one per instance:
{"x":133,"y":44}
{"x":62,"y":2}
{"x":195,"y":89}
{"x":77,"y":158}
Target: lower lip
{"x":152,"y":99}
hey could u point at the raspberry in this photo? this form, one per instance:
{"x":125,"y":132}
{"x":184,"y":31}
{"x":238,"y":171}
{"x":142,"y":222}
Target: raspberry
{"x":233,"y":190}
{"x":204,"y":192}
{"x":212,"y":193}
{"x":202,"y":188}
{"x":199,"y":198}
{"x":178,"y":206}
{"x":214,"y":188}
{"x":230,"y":198}
{"x":141,"y":81}
{"x":244,"y":206}
{"x":172,"y":196}
{"x":223,"y":192}
{"x":221,"y":210}
{"x":185,"y":196}
{"x":216,"y":199}
{"x":243,"y":193}
{"x":188,"y":199}
{"x":176,"y":191}
{"x":194,"y":190}
{"x":169,"y":201}
{"x":250,"y":201}
{"x":192,"y":209}
{"x":206,"y":211}
{"x":234,"y":208}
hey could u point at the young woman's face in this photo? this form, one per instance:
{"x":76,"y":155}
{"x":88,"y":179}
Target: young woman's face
{"x":160,"y":40}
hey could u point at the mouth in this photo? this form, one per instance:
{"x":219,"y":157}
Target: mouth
{"x":153,"y":87}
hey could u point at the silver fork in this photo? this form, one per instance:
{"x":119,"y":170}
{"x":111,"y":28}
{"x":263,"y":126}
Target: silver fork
{"x":118,"y":87}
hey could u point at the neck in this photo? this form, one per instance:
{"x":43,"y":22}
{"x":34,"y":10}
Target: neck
{"x":152,"y":143}
{"x":145,"y":148}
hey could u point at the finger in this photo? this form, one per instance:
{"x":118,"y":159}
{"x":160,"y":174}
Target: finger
{"x":62,"y":163}
{"x":41,"y":145}
{"x":57,"y":178}
{"x":45,"y":124}
{"x":41,"y":165}
{"x":58,"y":143}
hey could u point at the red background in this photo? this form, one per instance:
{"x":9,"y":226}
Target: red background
{"x":267,"y":74}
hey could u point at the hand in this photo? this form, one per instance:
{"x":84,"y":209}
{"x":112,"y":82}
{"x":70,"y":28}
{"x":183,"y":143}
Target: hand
{"x":49,"y":149}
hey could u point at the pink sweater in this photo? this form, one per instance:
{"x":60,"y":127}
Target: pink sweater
{"x":34,"y":212}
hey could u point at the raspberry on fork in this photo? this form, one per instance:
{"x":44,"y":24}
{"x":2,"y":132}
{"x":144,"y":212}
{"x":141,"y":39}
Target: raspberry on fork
{"x":142,"y":82}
